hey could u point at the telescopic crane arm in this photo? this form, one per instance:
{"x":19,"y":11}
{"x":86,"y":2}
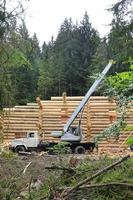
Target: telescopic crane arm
{"x":87,"y":96}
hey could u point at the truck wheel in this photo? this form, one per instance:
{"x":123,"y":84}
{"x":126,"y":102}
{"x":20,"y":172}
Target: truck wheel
{"x":90,"y":149}
{"x":80,"y":150}
{"x":19,"y":148}
{"x":131,"y":147}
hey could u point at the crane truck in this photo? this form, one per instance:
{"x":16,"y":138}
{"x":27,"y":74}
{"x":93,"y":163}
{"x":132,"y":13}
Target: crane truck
{"x":71,"y":134}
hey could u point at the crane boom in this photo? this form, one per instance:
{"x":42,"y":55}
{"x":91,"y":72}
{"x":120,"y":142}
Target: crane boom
{"x":87,"y":96}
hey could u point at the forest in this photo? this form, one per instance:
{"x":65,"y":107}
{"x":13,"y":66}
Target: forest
{"x":66,"y":63}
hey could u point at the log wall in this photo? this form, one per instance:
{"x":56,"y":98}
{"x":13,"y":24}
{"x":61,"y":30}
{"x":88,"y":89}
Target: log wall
{"x":51,"y":115}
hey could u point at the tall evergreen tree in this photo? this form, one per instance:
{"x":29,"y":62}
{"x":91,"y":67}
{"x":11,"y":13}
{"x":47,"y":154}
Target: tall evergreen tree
{"x":46,"y":71}
{"x":120,"y":39}
{"x":10,"y":57}
{"x":26,"y":82}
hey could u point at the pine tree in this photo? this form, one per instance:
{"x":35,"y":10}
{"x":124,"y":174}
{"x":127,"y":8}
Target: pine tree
{"x":11,"y":58}
{"x":120,"y":38}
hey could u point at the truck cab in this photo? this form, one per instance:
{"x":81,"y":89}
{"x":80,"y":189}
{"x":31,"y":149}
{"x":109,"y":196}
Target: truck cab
{"x":31,"y":141}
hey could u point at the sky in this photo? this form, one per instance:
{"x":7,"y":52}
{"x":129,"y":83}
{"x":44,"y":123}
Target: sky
{"x":44,"y":17}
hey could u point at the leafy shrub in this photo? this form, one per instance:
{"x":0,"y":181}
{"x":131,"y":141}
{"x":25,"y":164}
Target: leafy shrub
{"x":129,"y":141}
{"x":61,"y":148}
{"x":7,"y":154}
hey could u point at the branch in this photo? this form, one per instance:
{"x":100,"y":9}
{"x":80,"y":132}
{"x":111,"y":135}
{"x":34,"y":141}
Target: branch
{"x":60,"y":168}
{"x":26,"y":167}
{"x":115,"y":184}
{"x":64,"y":194}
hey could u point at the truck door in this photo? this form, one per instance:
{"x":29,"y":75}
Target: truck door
{"x":32,"y":139}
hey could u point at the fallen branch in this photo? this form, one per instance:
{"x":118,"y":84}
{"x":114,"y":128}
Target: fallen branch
{"x":113,"y":184}
{"x":60,"y":168}
{"x":127,"y":185}
{"x":24,"y":153}
{"x":26,"y":167}
{"x":65,"y":193}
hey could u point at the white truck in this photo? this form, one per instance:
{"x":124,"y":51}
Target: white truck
{"x":73,"y":135}
{"x":33,"y":142}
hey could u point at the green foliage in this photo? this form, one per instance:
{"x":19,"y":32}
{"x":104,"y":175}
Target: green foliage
{"x":120,"y":37}
{"x":61,"y":148}
{"x":119,"y":87}
{"x":128,"y":128}
{"x":129,"y":141}
{"x":118,"y":44}
{"x":13,"y":58}
{"x":122,"y":82}
{"x":7,"y":154}
{"x":131,"y":67}
{"x":113,"y":131}
{"x":19,"y":64}
{"x":122,"y":173}
{"x":123,"y":103}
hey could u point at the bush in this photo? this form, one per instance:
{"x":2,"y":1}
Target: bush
{"x":7,"y":154}
{"x":61,"y":148}
{"x":129,"y":141}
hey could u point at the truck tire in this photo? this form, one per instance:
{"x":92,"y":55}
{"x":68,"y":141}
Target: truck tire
{"x":79,"y":150}
{"x":90,"y":149}
{"x":131,"y":147}
{"x":20,"y":148}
